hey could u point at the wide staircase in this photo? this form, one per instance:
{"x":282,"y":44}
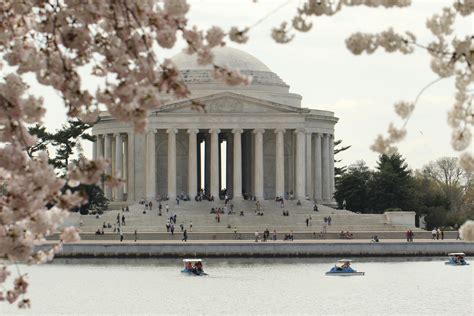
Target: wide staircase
{"x":198,"y":214}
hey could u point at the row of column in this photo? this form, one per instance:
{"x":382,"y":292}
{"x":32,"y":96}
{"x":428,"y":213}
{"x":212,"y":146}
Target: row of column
{"x":323,"y":164}
{"x":314,"y":163}
{"x":123,"y":151}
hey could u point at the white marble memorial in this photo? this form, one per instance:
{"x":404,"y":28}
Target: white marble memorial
{"x":275,"y":147}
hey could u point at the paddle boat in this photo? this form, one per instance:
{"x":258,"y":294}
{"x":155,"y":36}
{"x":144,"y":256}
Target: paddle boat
{"x":343,"y":268}
{"x":193,"y":267}
{"x":457,"y":259}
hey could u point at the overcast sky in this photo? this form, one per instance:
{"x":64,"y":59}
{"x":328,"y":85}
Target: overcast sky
{"x":361,"y":90}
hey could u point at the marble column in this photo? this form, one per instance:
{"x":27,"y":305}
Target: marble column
{"x":94,"y":147}
{"x":214,"y":163}
{"x":237,"y":172}
{"x":300,"y":165}
{"x":150,"y":173}
{"x":118,"y":173}
{"x":318,"y":192}
{"x":130,"y":166}
{"x":331,"y":167}
{"x":309,"y":166}
{"x":258,"y":161}
{"x":192,"y":163}
{"x":100,"y":146}
{"x":172,"y":163}
{"x":279,"y":163}
{"x":100,"y":153}
{"x":108,"y":156}
{"x":325,"y":168}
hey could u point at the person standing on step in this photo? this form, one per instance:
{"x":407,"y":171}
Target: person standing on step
{"x":185,"y":236}
{"x":307,"y":222}
{"x":329,"y":220}
{"x":167,"y":208}
{"x":135,"y":235}
{"x":121,"y":235}
{"x":172,"y":229}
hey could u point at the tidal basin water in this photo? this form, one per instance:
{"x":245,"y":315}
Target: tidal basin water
{"x":397,"y":286}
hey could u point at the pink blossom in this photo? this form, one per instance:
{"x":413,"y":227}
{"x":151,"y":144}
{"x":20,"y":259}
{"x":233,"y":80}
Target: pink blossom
{"x":70,"y":234}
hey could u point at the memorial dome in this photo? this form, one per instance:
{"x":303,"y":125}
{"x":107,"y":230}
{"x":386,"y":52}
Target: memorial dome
{"x":265,"y":84}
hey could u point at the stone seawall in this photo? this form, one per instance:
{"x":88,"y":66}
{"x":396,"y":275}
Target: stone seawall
{"x":269,"y":249}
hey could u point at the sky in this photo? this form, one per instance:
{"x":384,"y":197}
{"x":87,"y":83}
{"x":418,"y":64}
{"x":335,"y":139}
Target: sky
{"x":360,"y":90}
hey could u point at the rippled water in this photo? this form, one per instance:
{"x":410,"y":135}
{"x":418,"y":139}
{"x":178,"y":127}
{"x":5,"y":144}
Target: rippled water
{"x":257,"y":286}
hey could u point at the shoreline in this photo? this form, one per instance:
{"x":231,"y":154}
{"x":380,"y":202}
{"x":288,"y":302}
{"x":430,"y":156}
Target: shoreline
{"x":249,"y":249}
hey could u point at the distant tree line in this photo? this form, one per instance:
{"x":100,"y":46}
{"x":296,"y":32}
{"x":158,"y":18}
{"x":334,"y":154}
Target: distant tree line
{"x":441,"y":191}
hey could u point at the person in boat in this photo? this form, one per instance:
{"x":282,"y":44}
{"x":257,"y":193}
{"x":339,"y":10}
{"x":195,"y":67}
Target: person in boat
{"x":198,"y":267}
{"x":344,"y":267}
{"x":458,"y":259}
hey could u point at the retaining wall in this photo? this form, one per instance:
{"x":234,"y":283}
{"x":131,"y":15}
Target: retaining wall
{"x":269,"y":249}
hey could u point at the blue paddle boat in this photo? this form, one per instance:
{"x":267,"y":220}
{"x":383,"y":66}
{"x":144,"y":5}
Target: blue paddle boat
{"x":343,"y":268}
{"x":457,"y":259}
{"x":193,"y":267}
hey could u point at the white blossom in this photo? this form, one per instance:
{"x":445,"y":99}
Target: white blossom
{"x":404,"y":109}
{"x":466,"y":161}
{"x":70,"y":234}
{"x":215,"y":36}
{"x":231,"y":77}
{"x":280,"y":34}
{"x":239,"y":36}
{"x":461,"y":138}
{"x":466,"y":231}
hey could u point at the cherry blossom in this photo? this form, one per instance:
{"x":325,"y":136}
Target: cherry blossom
{"x":121,"y":41}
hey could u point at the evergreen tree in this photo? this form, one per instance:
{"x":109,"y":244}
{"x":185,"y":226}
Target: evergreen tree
{"x":66,"y":144}
{"x":352,"y":188}
{"x":338,"y":171}
{"x":392,"y":185}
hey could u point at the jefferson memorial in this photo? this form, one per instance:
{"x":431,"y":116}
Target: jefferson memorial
{"x":254,"y":141}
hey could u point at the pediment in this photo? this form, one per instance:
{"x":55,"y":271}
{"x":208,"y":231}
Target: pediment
{"x":229,"y":102}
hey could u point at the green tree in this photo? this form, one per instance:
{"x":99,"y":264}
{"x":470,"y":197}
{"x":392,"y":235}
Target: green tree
{"x":352,"y":188}
{"x":43,"y":139}
{"x":65,"y":143}
{"x":392,"y":185}
{"x":338,"y":148}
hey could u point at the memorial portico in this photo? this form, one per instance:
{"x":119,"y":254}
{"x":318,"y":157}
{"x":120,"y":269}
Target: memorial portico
{"x":251,"y":141}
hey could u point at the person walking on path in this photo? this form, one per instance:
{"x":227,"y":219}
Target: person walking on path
{"x":167,"y":208}
{"x":121,"y":235}
{"x":190,"y":226}
{"x":123,"y":220}
{"x":185,"y":236}
{"x":135,"y":235}
{"x":257,"y":236}
{"x":274,"y":237}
